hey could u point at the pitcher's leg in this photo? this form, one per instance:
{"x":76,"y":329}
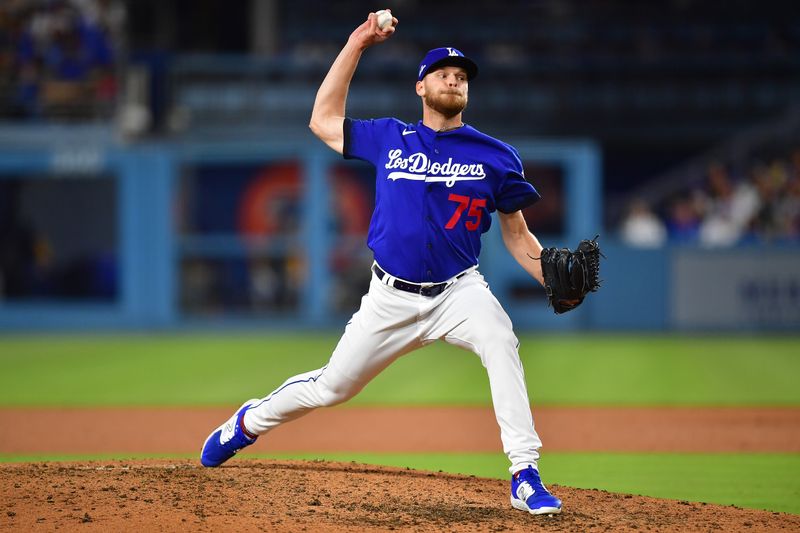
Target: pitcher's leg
{"x":297,"y":396}
{"x":473,"y":319}
{"x":383,"y":329}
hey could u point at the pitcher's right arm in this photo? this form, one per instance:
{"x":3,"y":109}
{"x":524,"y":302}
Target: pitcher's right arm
{"x":327,"y":117}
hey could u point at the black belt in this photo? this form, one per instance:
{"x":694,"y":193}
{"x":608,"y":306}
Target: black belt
{"x":415,"y":288}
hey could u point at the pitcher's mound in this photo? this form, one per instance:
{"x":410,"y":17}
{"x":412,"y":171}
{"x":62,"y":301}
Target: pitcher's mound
{"x":322,"y":496}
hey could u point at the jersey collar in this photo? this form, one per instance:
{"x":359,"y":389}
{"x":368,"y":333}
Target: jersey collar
{"x":428,"y":131}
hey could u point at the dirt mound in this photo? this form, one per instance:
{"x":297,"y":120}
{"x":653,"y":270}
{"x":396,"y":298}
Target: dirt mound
{"x":323,"y":496}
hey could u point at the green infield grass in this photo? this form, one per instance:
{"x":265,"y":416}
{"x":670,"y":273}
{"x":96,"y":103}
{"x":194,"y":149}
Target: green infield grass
{"x":188,"y":369}
{"x":192,"y":369}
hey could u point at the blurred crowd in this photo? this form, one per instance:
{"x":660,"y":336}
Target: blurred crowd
{"x":58,"y":58}
{"x":603,"y":33}
{"x":757,"y":201}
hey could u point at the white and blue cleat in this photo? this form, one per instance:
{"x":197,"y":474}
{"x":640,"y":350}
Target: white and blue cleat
{"x":529,"y":494}
{"x":225,"y":441}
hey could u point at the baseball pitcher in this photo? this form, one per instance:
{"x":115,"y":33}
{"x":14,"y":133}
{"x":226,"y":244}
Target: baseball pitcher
{"x":438,"y":181}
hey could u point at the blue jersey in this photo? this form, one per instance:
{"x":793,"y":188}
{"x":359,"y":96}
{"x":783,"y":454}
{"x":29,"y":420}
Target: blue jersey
{"x":435,"y":193}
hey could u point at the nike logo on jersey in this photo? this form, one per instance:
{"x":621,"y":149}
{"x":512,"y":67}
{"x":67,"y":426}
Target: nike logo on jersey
{"x":408,"y":132}
{"x":418,"y":167}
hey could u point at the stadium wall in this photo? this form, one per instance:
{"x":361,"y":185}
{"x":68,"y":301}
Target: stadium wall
{"x":670,"y":288}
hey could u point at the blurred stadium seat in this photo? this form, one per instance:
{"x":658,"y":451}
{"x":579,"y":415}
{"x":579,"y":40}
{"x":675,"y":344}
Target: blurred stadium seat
{"x":691,"y":103}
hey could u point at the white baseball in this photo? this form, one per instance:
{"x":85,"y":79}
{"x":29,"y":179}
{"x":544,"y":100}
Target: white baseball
{"x":384,"y":19}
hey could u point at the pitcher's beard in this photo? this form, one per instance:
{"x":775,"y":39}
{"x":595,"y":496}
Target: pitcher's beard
{"x":446,"y":104}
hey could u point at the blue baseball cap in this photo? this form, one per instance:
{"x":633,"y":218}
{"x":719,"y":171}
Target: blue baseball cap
{"x":446,"y":56}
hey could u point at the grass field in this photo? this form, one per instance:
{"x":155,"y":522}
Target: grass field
{"x":223,"y":369}
{"x":193,"y":369}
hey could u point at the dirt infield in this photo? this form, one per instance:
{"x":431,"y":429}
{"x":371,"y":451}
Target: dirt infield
{"x":405,"y":429}
{"x":322,"y":496}
{"x":248,"y":495}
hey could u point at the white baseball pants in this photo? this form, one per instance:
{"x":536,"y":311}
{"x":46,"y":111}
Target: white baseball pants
{"x":391,"y":323}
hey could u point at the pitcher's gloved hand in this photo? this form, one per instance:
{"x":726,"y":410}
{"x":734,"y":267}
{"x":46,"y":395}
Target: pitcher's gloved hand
{"x":569,"y":276}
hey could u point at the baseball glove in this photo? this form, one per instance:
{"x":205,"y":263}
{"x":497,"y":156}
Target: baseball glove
{"x":570,"y":276}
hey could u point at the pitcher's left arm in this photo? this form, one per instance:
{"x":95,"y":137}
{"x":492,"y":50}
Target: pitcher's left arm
{"x":523,"y":245}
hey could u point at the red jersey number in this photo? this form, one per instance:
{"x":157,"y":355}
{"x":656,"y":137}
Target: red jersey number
{"x":474,"y":213}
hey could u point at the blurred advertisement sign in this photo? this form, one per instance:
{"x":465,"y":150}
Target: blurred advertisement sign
{"x":78,"y":160}
{"x":741,"y":289}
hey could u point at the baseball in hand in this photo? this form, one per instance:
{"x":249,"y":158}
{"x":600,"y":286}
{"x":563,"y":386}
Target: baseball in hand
{"x":384,"y":19}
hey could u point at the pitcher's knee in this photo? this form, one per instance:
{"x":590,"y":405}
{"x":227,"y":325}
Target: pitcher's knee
{"x":335,"y":391}
{"x":501,"y":339}
{"x":332,"y":397}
